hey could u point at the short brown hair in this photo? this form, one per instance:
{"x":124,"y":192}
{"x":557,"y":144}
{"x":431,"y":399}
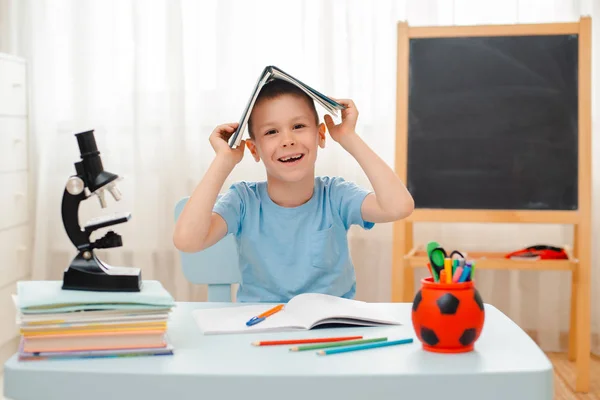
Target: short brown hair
{"x":279,"y":87}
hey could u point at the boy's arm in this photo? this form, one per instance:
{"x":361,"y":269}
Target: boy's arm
{"x":198,"y":227}
{"x":391,"y":200}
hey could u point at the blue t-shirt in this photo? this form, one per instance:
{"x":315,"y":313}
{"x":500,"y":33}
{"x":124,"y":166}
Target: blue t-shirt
{"x":286,"y":251}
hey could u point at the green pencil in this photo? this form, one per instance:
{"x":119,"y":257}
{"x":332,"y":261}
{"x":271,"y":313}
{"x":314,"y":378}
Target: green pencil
{"x":337,"y":344}
{"x":367,"y":346}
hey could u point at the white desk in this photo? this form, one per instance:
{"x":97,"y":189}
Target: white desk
{"x":506,"y":364}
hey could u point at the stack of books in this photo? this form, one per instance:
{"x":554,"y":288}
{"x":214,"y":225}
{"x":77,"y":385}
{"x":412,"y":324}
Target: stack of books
{"x":57,"y":323}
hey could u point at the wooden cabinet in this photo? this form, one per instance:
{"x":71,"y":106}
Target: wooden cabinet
{"x":15,"y":196}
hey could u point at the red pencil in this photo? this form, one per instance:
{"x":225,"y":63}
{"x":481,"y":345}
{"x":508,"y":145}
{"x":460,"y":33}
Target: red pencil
{"x":302,"y":341}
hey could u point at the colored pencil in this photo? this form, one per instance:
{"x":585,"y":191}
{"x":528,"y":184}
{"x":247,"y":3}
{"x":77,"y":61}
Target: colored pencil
{"x":304,"y":341}
{"x":364,"y":347}
{"x":336,"y":344}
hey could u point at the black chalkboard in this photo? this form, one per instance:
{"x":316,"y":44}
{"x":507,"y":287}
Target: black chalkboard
{"x":493,"y":122}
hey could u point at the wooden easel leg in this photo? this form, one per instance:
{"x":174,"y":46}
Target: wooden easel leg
{"x":403,"y":238}
{"x":583,"y":311}
{"x":408,"y":293}
{"x":402,"y":273}
{"x":583,"y":338}
{"x":573,"y":318}
{"x":408,"y":279}
{"x":397,"y":282}
{"x":572,"y":352}
{"x":398,"y":264}
{"x":583,"y":228}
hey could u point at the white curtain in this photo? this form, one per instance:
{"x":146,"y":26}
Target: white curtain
{"x":153,"y":78}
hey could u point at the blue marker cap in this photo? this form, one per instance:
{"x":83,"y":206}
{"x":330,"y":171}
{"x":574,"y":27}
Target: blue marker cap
{"x":466,"y":273}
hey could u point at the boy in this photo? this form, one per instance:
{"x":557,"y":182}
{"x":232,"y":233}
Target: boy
{"x":292,"y":229}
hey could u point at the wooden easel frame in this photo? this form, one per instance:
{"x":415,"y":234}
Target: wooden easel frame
{"x":406,"y":256}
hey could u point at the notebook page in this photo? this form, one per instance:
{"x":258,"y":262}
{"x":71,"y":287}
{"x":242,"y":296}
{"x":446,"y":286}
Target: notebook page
{"x":233,"y":320}
{"x":312,"y":308}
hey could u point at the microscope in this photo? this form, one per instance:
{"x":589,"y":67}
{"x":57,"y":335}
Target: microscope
{"x":86,"y":271}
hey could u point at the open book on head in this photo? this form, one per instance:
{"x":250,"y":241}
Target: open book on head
{"x":271,"y":72}
{"x":303,"y":312}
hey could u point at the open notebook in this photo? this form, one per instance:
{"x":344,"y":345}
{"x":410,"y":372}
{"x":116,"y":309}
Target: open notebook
{"x":303,"y":312}
{"x":272,"y":72}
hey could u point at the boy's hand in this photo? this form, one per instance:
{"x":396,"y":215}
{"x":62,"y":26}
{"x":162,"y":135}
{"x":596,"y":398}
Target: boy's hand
{"x":347,"y":127}
{"x":219,"y":142}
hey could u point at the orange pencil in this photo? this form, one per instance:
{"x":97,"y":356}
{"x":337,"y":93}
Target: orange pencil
{"x":303,"y":341}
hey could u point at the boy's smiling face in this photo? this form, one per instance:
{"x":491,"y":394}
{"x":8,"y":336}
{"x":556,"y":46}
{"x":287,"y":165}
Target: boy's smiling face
{"x":286,"y":136}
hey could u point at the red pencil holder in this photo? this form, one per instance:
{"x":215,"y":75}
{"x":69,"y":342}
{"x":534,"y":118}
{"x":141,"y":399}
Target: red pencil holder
{"x":447,"y":317}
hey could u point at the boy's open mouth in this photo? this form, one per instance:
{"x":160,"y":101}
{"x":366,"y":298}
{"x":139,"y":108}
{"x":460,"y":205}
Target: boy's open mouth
{"x":292,"y":158}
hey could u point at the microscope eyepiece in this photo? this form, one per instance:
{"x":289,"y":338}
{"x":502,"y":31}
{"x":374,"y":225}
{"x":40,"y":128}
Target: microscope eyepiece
{"x":87,"y":144}
{"x":90,"y":167}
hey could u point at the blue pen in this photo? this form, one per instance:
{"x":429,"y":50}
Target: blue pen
{"x":261,"y":317}
{"x":365,"y":346}
{"x":254,"y":321}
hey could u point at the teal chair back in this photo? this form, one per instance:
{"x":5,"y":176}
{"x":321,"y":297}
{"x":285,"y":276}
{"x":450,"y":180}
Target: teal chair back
{"x":216,"y":266}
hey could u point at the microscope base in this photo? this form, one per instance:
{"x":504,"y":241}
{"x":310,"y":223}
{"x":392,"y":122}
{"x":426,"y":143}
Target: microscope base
{"x":93,"y":275}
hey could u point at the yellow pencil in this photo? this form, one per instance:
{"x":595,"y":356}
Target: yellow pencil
{"x":448,"y":269}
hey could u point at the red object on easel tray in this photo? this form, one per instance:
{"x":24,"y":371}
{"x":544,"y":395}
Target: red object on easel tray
{"x":543,"y":252}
